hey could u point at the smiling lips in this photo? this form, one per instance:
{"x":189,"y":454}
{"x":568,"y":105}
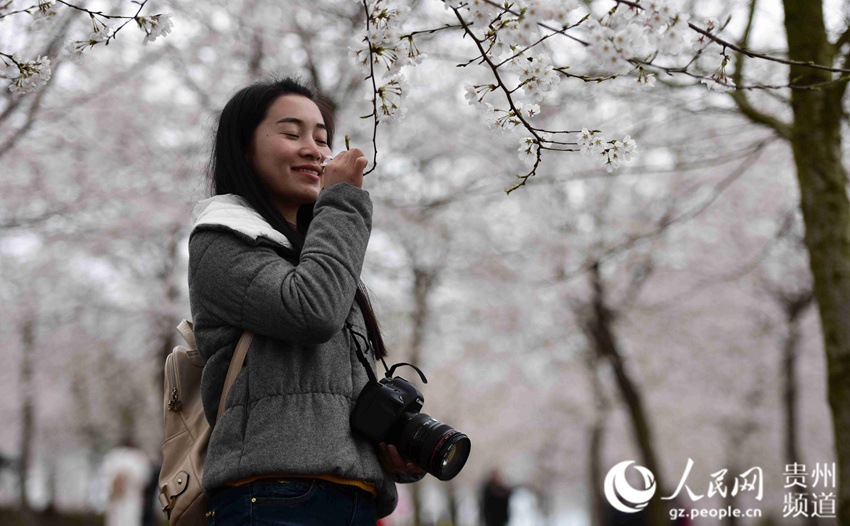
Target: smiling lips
{"x":310,"y":169}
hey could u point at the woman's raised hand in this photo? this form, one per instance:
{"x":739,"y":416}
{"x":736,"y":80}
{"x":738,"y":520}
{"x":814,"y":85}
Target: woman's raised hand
{"x":346,"y":167}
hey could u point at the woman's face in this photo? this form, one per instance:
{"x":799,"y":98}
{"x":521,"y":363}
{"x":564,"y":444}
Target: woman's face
{"x":288,"y":146}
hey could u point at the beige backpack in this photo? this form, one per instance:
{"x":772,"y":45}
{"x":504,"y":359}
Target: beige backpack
{"x":187,"y":432}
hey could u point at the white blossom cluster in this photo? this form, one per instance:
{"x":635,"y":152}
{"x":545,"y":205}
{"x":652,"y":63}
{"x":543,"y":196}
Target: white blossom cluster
{"x":389,"y":98}
{"x":610,"y":154}
{"x":29,"y":76}
{"x":508,"y":32}
{"x":45,"y":12}
{"x":100,"y":30}
{"x":536,"y":74}
{"x":528,"y":148}
{"x":507,"y":36}
{"x":26,"y":76}
{"x":514,"y":25}
{"x":628,"y":32}
{"x":154,"y":26}
{"x":510,"y":28}
{"x":498,"y":119}
{"x":387,"y":50}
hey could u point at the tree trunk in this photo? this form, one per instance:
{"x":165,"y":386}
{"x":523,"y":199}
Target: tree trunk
{"x":789,"y":373}
{"x":167,"y":328}
{"x":816,"y":143}
{"x":596,"y":443}
{"x":452,"y":498}
{"x":729,"y":500}
{"x":794,"y":308}
{"x":423,"y":281}
{"x":600,"y":330}
{"x":789,"y":361}
{"x":27,"y":409}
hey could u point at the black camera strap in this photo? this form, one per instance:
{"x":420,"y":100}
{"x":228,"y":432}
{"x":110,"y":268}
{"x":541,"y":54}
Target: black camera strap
{"x":360,"y":355}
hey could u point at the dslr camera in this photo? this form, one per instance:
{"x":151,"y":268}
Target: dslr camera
{"x":389,"y":411}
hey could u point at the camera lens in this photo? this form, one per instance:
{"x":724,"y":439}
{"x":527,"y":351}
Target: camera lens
{"x":435,"y":447}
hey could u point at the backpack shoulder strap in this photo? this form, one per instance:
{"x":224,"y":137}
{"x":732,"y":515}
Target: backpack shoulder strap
{"x":235,"y":366}
{"x":187,"y":330}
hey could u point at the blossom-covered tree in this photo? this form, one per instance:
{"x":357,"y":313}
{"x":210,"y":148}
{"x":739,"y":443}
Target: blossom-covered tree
{"x":513,"y":41}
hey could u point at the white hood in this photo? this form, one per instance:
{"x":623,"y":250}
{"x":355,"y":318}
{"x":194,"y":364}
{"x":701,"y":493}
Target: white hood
{"x":234,"y":212}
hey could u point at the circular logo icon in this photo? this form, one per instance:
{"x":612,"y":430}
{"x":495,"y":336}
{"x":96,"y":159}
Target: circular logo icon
{"x":622,"y":495}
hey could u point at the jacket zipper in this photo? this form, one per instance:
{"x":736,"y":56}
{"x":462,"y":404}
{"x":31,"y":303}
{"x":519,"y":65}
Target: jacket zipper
{"x":174,"y":403}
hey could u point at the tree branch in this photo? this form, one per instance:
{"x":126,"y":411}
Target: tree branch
{"x":32,"y":112}
{"x":839,"y":90}
{"x":843,"y":39}
{"x":701,"y":31}
{"x":374,"y":98}
{"x":669,"y":219}
{"x":739,"y":96}
{"x":676,"y":299}
{"x":501,"y":85}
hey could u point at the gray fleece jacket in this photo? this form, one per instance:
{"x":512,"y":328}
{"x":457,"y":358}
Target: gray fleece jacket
{"x":288,"y":411}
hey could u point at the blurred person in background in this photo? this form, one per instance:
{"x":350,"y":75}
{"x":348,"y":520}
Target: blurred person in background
{"x":278,"y":250}
{"x":495,"y":500}
{"x":126,"y":471}
{"x":151,"y":507}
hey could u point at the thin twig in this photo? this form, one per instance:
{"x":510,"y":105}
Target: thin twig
{"x":25,"y":10}
{"x":541,"y":24}
{"x":762,"y":56}
{"x":374,"y":97}
{"x":429,"y":31}
{"x":119,"y":28}
{"x":500,"y":84}
{"x":99,"y":13}
{"x":667,"y":222}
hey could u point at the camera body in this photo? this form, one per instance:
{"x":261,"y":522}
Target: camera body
{"x":389,"y":411}
{"x":380,"y":404}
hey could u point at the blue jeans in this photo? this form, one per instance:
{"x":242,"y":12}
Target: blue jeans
{"x":292,"y":502}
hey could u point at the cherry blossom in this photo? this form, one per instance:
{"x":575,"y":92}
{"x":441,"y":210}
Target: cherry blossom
{"x":528,"y":148}
{"x":390,"y":96}
{"x":45,"y":12}
{"x":30,"y":75}
{"x":74,"y":49}
{"x":645,"y":80}
{"x":537,"y":75}
{"x":594,"y":144}
{"x":154,"y":26}
{"x":100,"y":31}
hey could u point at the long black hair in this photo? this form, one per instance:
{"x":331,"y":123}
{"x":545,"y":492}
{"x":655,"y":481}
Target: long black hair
{"x":230,"y":172}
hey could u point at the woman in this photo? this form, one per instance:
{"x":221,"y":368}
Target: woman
{"x":278,"y":249}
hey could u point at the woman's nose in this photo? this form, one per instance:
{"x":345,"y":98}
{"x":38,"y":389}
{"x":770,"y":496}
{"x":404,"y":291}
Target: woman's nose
{"x":311,"y":150}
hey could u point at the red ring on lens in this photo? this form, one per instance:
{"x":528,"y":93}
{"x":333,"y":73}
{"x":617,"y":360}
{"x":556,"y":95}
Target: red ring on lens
{"x":450,"y":433}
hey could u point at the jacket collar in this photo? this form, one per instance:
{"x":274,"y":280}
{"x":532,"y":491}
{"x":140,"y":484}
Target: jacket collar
{"x":234,"y":212}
